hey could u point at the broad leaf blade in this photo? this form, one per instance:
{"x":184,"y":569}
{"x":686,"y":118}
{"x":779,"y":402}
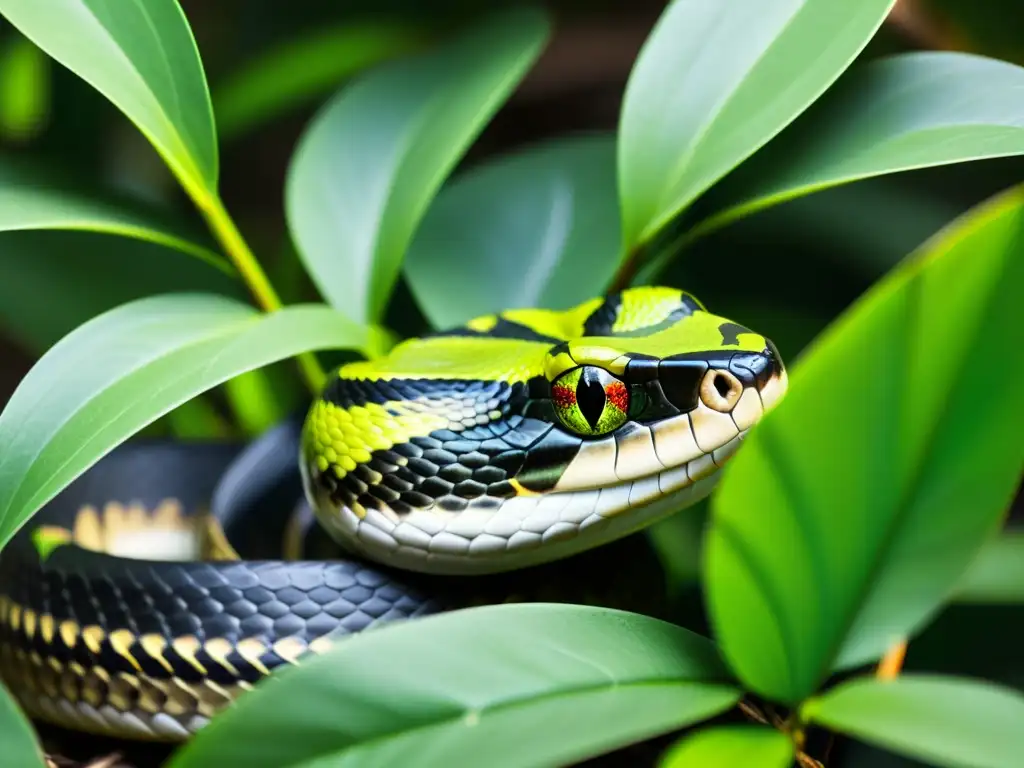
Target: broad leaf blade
{"x":42,"y":275}
{"x":710,"y":87}
{"x":20,"y":745}
{"x":300,"y":70}
{"x":464,"y":687}
{"x":856,"y":505}
{"x":947,"y":721}
{"x":731,"y":745}
{"x":538,"y":228}
{"x":140,"y":54}
{"x":914,"y":110}
{"x":33,"y":197}
{"x":997,"y":574}
{"x":124,"y":369}
{"x":372,"y":160}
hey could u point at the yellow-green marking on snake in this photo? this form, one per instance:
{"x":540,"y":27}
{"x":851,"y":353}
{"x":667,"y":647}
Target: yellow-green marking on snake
{"x":517,"y":439}
{"x":532,"y":435}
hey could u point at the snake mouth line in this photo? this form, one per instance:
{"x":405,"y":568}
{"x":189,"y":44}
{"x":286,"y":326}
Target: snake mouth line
{"x":655,"y":470}
{"x":528,"y":530}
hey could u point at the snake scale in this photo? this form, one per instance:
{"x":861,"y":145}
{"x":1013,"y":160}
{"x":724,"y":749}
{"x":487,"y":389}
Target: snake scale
{"x":515,"y":440}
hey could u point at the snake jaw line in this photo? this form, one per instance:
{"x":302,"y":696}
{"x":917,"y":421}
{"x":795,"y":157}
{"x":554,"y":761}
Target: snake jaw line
{"x":432,"y":460}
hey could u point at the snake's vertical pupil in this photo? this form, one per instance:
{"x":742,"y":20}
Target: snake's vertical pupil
{"x":590,"y":396}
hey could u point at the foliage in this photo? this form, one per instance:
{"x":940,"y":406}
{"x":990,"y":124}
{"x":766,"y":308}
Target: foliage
{"x":854,"y":512}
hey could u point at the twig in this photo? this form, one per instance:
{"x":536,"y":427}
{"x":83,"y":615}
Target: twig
{"x":231,"y":240}
{"x":891,"y":664}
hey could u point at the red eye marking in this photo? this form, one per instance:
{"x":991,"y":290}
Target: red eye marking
{"x":563,"y":396}
{"x":617,"y":395}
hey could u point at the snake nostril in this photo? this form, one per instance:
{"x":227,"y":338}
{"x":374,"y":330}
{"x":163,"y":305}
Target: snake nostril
{"x":722,"y":385}
{"x":720,"y":390}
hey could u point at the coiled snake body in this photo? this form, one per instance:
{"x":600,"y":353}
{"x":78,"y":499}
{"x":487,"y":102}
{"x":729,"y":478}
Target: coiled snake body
{"x":515,"y":440}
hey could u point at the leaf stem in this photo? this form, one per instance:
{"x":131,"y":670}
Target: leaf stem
{"x":231,"y":240}
{"x":627,"y":270}
{"x":891,"y":664}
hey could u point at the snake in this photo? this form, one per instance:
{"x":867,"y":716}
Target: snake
{"x":510,"y":443}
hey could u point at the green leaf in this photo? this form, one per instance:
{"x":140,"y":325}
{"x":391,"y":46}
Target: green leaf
{"x":947,"y":721}
{"x":372,"y":160}
{"x":914,"y":110}
{"x":538,"y":228}
{"x":855,"y":506}
{"x":35,"y":197}
{"x":997,"y":575}
{"x":122,"y":370}
{"x":20,"y":745}
{"x":140,"y":54}
{"x":24,"y":89}
{"x":731,"y":745}
{"x":42,"y":274}
{"x":298,"y":71}
{"x":709,"y":88}
{"x":506,"y":685}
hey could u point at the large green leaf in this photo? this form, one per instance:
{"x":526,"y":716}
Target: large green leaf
{"x":372,"y":160}
{"x":300,"y":70}
{"x":35,"y":197}
{"x":909,"y":111}
{"x":538,"y":228}
{"x":140,"y":54}
{"x":42,"y":275}
{"x":731,"y":745}
{"x":507,"y":685}
{"x":855,"y":506}
{"x":947,"y":721}
{"x":710,"y":87}
{"x":122,"y":370}
{"x":997,"y":574}
{"x":16,"y":734}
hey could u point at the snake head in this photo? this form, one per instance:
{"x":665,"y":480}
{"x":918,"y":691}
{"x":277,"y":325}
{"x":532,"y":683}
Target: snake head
{"x":531,"y":435}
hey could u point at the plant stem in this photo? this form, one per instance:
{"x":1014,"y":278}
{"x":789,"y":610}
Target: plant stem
{"x":627,"y":270}
{"x":891,"y":664}
{"x":231,"y":240}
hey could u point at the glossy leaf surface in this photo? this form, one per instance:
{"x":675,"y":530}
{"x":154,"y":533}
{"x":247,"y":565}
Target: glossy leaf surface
{"x":17,"y":736}
{"x":856,"y":505}
{"x":731,"y":745}
{"x":947,"y":721}
{"x":464,"y":688}
{"x":124,"y":369}
{"x":899,"y":113}
{"x":140,"y":54}
{"x":36,"y":198}
{"x":369,"y":164}
{"x":538,"y":228}
{"x":42,"y":274}
{"x":710,"y":87}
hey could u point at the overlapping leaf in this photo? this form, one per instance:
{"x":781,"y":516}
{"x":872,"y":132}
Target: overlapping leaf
{"x":949,"y":722}
{"x":538,"y":228}
{"x":710,"y":87}
{"x":122,"y":370}
{"x":895,"y":114}
{"x":855,"y":506}
{"x":140,"y":54}
{"x":508,"y":685}
{"x":372,"y":160}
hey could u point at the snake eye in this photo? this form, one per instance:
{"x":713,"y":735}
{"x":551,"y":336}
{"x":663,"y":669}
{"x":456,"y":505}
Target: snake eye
{"x":590,"y":401}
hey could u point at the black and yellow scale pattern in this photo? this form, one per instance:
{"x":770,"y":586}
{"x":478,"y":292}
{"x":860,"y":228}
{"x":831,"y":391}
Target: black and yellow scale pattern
{"x":530,"y":435}
{"x":518,"y":439}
